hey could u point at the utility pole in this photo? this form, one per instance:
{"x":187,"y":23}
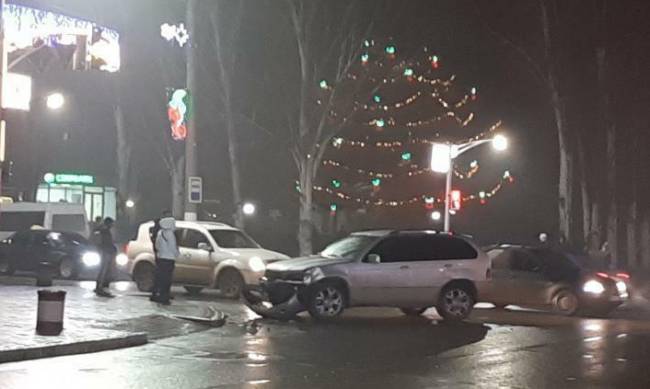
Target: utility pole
{"x":3,"y":72}
{"x":190,"y":142}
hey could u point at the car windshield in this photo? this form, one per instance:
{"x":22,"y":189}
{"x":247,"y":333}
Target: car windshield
{"x":349,"y":247}
{"x":233,"y":239}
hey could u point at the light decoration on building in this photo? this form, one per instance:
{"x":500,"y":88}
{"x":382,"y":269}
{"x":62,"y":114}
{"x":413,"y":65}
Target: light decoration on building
{"x":175,"y":32}
{"x":177,"y":113}
{"x":29,"y":28}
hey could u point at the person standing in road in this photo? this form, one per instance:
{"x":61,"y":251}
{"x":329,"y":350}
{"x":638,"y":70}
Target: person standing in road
{"x":104,"y":240}
{"x":167,"y":252}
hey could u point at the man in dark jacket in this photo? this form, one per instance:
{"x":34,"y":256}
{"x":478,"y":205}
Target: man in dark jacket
{"x":104,"y":240}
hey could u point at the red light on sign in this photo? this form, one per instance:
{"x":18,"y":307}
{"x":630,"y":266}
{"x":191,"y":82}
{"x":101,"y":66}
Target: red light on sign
{"x":456,"y":200}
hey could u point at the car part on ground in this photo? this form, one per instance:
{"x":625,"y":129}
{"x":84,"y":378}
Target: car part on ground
{"x":413,"y":311}
{"x":260,"y":300}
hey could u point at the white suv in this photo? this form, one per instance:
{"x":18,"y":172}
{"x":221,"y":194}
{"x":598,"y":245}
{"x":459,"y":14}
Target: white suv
{"x":410,"y":270}
{"x":212,"y":255}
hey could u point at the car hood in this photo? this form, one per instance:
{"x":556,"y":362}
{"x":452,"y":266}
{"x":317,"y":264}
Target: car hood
{"x":263,"y":254}
{"x":303,"y":263}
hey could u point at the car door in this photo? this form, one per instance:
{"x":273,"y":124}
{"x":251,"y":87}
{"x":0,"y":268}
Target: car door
{"x":528,"y":283}
{"x":193,"y":265}
{"x":387,"y":282}
{"x":17,"y":249}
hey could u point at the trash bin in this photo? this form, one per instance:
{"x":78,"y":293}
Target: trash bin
{"x":49,"y":318}
{"x":44,"y":274}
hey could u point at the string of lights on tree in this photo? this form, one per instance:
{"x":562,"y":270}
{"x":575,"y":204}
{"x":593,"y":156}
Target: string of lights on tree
{"x":380,"y":111}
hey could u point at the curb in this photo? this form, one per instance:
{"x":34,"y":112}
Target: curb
{"x":91,"y":346}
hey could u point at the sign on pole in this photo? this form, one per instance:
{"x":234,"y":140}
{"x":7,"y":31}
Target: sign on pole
{"x":195,"y":191}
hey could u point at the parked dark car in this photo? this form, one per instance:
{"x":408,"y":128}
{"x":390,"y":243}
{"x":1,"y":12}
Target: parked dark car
{"x":547,"y":278}
{"x":69,"y":254}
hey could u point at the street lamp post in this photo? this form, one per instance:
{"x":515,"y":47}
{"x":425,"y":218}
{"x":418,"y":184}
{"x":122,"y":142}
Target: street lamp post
{"x":442,"y":161}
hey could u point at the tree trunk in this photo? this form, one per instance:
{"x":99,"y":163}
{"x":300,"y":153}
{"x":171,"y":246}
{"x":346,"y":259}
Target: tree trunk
{"x":645,"y":241}
{"x":565,"y":180}
{"x":306,"y":223}
{"x":632,"y":255}
{"x":123,"y":154}
{"x":234,"y":170}
{"x":587,"y":203}
{"x":178,"y":188}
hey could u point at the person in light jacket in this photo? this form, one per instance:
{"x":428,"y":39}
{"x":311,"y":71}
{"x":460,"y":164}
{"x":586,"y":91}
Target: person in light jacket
{"x":167,"y":252}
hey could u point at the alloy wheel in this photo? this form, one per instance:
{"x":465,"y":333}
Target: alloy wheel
{"x":457,"y":302}
{"x":328,"y":302}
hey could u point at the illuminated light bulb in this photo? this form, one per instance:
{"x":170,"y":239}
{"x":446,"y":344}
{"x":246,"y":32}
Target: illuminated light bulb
{"x":336,"y":183}
{"x":390,"y":49}
{"x":376,"y":98}
{"x":406,"y":156}
{"x":408,"y":72}
{"x":333,"y":207}
{"x":473,"y":164}
{"x":337,"y":142}
{"x":323,"y":84}
{"x":365,"y":57}
{"x":436,"y":216}
{"x":376,"y":181}
{"x":380,"y":122}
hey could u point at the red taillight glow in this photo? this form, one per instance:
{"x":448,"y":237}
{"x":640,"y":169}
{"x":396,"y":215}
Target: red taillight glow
{"x":623,"y":275}
{"x":601,"y":274}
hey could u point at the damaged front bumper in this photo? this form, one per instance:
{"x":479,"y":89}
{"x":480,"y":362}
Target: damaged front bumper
{"x":280,"y":300}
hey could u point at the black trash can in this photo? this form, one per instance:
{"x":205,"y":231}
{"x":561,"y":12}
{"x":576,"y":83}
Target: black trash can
{"x":49,"y":318}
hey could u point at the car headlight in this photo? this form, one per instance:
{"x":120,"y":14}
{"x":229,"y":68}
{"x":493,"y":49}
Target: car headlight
{"x":90,"y":259}
{"x":121,"y":259}
{"x":593,"y":287}
{"x":256,"y":264}
{"x":622,"y":288}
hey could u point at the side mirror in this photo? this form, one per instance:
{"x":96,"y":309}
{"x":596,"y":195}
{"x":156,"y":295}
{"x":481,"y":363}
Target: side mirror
{"x":374,"y":258}
{"x":205,"y":246}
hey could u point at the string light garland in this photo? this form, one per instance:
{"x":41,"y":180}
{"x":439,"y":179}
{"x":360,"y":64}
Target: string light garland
{"x":428,"y":200}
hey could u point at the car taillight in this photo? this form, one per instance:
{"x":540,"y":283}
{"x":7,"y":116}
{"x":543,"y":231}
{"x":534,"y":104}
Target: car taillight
{"x":603,"y":275}
{"x":623,"y":275}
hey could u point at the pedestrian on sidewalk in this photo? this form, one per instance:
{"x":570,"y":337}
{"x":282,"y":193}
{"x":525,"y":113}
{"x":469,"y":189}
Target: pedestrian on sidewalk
{"x":166,"y":254}
{"x":104,"y":240}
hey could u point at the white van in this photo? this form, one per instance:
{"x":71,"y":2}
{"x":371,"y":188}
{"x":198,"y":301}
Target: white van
{"x":61,"y":217}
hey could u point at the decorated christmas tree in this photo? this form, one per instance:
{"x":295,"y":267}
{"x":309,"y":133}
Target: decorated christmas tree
{"x":378,"y":163}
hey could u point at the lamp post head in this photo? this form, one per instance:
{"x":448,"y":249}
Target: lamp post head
{"x":248,"y":209}
{"x":500,"y":142}
{"x":55,"y":101}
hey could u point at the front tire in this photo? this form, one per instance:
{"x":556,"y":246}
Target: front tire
{"x":326,"y":301}
{"x":413,"y":311}
{"x":144,"y":275}
{"x":68,"y":269}
{"x":455,"y":303}
{"x":566,"y":303}
{"x":230,"y":283}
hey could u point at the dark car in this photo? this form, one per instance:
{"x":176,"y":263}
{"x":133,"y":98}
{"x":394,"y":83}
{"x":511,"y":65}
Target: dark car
{"x":69,"y":253}
{"x":547,"y":278}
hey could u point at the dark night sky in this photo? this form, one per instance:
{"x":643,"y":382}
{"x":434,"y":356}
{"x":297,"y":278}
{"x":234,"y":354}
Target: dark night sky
{"x":453,"y":29}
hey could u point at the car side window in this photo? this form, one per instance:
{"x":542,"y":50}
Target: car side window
{"x":180,"y":233}
{"x":193,"y":238}
{"x":525,"y":262}
{"x":20,"y":238}
{"x":391,"y":249}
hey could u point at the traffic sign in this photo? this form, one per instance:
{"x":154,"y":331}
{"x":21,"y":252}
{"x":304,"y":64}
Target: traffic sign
{"x":195,"y":185}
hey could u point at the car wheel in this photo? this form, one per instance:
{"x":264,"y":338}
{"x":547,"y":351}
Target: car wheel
{"x":455,"y":303}
{"x":326,"y":301}
{"x":68,"y":269}
{"x":413,"y":311}
{"x":144,"y":275}
{"x":6,"y":267}
{"x":230,"y":283}
{"x":565,"y":302}
{"x":193,"y":290}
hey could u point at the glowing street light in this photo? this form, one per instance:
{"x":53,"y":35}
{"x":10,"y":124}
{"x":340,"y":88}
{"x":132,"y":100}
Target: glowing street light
{"x":436,"y":216}
{"x":55,"y":101}
{"x":442,"y":161}
{"x":248,"y":209}
{"x":129,"y":203}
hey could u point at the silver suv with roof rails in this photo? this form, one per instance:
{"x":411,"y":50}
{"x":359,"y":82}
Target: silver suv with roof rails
{"x":407,"y":269}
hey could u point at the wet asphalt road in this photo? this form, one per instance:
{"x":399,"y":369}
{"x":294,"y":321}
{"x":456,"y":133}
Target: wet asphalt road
{"x":369,"y":348}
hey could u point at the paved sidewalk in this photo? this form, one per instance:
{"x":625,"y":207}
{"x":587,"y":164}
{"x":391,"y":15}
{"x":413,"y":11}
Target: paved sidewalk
{"x":91,"y":323}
